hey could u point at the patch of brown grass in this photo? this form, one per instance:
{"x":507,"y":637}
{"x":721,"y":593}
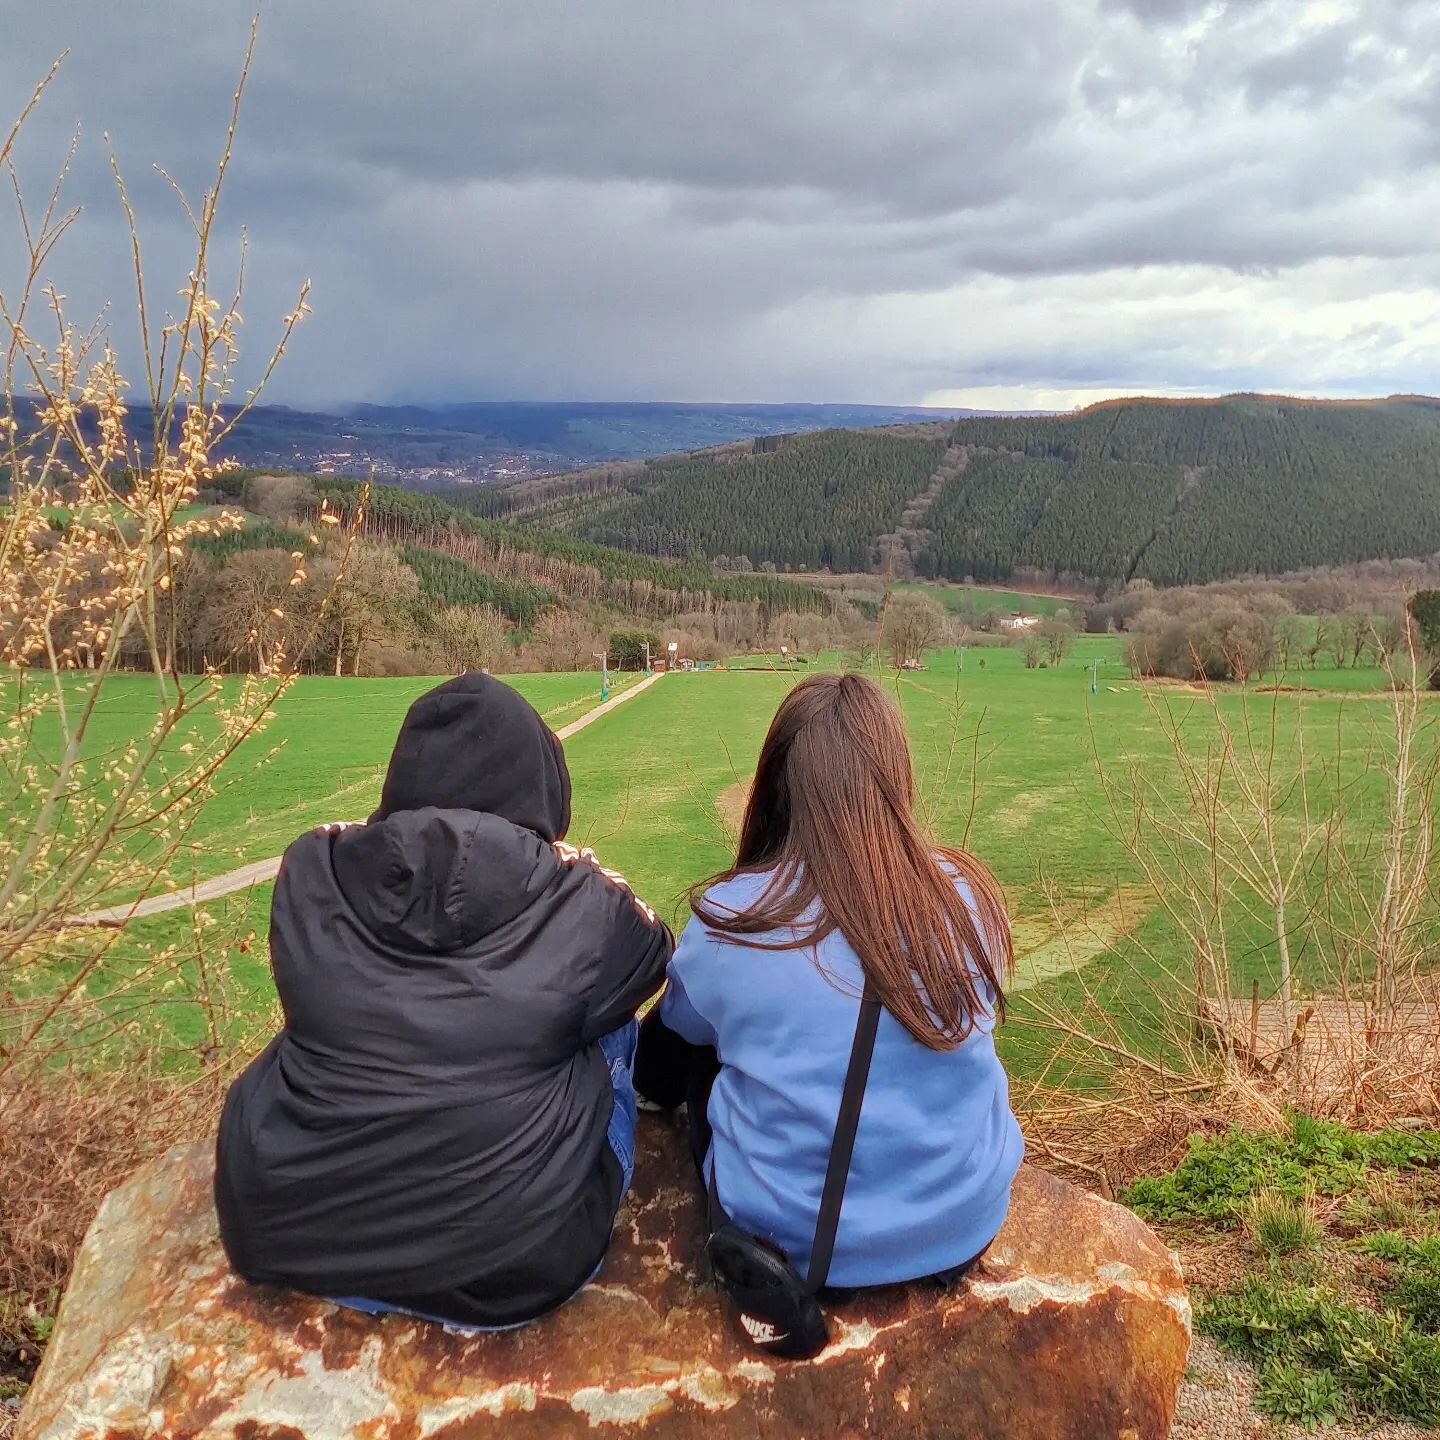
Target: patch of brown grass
{"x":1103,"y":1142}
{"x":66,"y":1139}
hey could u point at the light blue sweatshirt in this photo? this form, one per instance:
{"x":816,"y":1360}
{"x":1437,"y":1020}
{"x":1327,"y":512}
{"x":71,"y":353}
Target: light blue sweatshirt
{"x":937,"y":1146}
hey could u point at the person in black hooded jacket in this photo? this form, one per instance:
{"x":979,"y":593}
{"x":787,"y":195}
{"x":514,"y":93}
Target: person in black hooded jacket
{"x":445,"y":1125}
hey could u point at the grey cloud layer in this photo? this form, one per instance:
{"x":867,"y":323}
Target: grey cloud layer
{"x":666,"y":198}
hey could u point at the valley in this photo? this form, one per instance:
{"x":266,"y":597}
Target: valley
{"x":1141,"y":575}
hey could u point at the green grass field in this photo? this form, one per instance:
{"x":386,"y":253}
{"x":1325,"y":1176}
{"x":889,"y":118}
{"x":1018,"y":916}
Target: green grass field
{"x":1008,"y":760}
{"x":62,"y":514}
{"x":322,"y":757}
{"x":969,"y":598}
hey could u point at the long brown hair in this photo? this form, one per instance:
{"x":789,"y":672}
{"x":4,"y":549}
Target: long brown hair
{"x":830,"y":813}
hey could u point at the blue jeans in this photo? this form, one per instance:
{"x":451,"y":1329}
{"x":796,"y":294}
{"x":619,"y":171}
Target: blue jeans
{"x":618,"y":1048}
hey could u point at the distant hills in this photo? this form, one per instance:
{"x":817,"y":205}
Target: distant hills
{"x":1176,"y":492}
{"x":554,"y":435}
{"x":432,"y":446}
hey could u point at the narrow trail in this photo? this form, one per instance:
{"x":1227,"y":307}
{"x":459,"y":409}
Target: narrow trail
{"x":591,"y":716}
{"x":257,"y":872}
{"x":908,"y":537}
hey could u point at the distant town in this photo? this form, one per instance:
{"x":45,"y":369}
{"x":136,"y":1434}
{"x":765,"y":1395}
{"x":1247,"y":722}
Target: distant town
{"x":357,"y":460}
{"x":491,"y":442}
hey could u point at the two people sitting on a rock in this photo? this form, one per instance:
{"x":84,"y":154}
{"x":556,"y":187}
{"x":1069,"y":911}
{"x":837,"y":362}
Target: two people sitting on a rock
{"x":446,"y":1124}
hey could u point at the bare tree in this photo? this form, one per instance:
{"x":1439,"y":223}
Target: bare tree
{"x":1057,"y":634}
{"x":91,"y":822}
{"x":247,"y":598}
{"x":564,"y":640}
{"x":281,"y":498}
{"x":1392,"y":637}
{"x":1289,"y":639}
{"x":911,"y":625}
{"x":1268,"y":869}
{"x":372,"y":605}
{"x":471,"y":637}
{"x":1334,"y":638}
{"x":1243,"y":641}
{"x":1357,"y":625}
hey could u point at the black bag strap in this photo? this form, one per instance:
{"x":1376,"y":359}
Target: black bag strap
{"x":842,"y":1147}
{"x":837,"y":1172}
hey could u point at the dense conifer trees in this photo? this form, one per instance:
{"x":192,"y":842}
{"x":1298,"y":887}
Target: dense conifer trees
{"x":1175,"y":492}
{"x":817,"y":502}
{"x":556,"y":560}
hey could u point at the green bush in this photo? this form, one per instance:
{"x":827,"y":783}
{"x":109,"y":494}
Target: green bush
{"x":627,"y":649}
{"x":1425,"y":611}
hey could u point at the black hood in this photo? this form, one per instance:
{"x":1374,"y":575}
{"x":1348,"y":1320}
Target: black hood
{"x":436,"y":880}
{"x":473,"y":743}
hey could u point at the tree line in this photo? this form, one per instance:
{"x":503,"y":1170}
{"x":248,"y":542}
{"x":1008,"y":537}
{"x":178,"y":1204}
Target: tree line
{"x":405,"y":584}
{"x":568,"y":563}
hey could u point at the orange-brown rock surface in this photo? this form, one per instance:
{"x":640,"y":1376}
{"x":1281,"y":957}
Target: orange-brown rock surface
{"x":1076,"y":1325}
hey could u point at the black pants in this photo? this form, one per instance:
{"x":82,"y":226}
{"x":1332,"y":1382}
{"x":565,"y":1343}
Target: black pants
{"x":670,"y":1072}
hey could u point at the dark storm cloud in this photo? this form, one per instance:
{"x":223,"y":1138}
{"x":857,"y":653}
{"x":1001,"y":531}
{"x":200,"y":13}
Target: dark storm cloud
{"x":1312,"y":68}
{"x":1166,"y":11}
{"x":664,"y":198}
{"x":1175,"y":12}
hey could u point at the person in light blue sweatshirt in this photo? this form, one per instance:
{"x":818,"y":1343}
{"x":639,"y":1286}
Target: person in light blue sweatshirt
{"x":835,"y":885}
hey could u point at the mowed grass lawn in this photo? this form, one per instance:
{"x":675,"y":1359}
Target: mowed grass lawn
{"x":1008,"y":760}
{"x":322,"y":758}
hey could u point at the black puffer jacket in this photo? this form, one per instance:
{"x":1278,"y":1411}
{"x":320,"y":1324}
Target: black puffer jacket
{"x":429,"y":1128}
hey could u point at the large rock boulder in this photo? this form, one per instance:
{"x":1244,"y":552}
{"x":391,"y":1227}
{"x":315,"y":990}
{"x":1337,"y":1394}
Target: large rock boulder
{"x":1075,"y":1325}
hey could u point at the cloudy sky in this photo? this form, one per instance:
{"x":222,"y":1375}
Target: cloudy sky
{"x":1027,"y":203}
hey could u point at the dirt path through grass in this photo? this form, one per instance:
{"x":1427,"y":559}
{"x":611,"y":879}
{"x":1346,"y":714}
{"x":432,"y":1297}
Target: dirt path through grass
{"x":259,"y":871}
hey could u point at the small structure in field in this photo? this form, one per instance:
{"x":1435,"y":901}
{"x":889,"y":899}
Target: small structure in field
{"x":1019,"y":620}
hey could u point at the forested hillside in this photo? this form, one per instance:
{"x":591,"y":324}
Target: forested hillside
{"x":814,"y":502}
{"x":1179,"y":493}
{"x":570,"y":566}
{"x":1176,"y":492}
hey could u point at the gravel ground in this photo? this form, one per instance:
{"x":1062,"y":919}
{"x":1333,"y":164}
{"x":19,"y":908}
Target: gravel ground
{"x":1216,"y":1404}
